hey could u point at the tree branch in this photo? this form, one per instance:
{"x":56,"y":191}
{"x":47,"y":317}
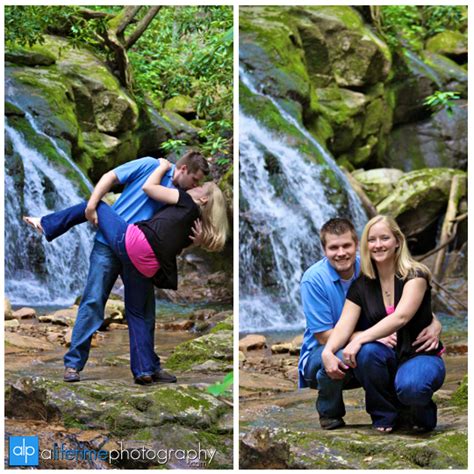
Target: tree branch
{"x":142,"y":26}
{"x":126,"y":18}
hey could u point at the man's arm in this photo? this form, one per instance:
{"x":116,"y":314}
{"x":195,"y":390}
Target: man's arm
{"x":428,"y":339}
{"x":105,"y":184}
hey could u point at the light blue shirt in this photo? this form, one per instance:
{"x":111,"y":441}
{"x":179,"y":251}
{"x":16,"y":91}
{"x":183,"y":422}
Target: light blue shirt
{"x":323,"y":296}
{"x":133,"y":204}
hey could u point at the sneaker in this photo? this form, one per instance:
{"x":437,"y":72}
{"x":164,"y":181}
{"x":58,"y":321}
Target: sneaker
{"x":71,"y":375}
{"x":331,"y":423}
{"x":160,"y":376}
{"x":144,"y":380}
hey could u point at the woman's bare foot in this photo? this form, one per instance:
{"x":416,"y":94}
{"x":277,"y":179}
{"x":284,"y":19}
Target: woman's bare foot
{"x":34,"y":222}
{"x":384,"y":429}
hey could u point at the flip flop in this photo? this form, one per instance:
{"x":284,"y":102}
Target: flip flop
{"x":383,"y":429}
{"x":34,"y":223}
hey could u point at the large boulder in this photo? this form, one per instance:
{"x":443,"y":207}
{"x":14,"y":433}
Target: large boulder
{"x":418,"y":201}
{"x":378,"y":183}
{"x":72,"y":94}
{"x":449,"y":43}
{"x":440,"y":141}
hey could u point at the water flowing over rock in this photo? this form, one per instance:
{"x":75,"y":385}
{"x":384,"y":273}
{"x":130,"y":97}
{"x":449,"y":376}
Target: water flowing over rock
{"x":289,"y":187}
{"x":37,"y":272}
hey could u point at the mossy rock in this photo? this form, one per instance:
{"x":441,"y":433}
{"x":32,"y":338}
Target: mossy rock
{"x":182,"y":105}
{"x":378,"y":183}
{"x":419,"y":198}
{"x":460,"y":396}
{"x":216,"y":347}
{"x":450,"y":43}
{"x":453,"y":75}
{"x":440,"y":141}
{"x":271,"y":48}
{"x":37,"y":55}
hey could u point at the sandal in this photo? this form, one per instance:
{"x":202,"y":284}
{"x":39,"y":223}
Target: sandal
{"x":34,"y":222}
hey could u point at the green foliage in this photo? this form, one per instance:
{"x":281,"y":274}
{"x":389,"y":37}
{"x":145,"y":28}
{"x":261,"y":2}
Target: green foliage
{"x":410,"y":26}
{"x":189,"y":51}
{"x":173,"y":146}
{"x":439,"y":18}
{"x":442,"y":100}
{"x":221,"y":388}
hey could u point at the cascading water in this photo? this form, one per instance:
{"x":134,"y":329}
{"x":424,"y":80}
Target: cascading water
{"x":284,"y":202}
{"x":38,"y":273}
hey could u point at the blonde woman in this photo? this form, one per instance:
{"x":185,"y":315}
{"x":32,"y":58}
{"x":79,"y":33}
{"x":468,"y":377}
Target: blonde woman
{"x":148,"y":249}
{"x":392,"y":295}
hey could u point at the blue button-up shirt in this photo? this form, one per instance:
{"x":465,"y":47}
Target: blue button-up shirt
{"x":323,"y":297}
{"x":134,"y":205}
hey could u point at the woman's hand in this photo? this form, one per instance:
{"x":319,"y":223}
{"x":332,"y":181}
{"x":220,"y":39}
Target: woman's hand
{"x":334,"y":367}
{"x":350,"y":352}
{"x":164,"y":163}
{"x":196,"y":235}
{"x":389,"y":341}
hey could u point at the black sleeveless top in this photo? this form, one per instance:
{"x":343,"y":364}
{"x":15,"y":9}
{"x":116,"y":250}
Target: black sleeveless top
{"x":367,"y":294}
{"x":168,"y":233}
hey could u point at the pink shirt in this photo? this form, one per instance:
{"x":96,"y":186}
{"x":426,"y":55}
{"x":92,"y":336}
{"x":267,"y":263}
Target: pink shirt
{"x":140,"y":252}
{"x":390,"y":309}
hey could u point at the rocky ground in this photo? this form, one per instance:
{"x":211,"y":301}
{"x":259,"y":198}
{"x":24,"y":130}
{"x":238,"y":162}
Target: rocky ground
{"x":106,"y":411}
{"x":280,"y":429}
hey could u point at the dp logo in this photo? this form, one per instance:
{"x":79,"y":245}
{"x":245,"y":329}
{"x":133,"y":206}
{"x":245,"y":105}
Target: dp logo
{"x":23,"y":451}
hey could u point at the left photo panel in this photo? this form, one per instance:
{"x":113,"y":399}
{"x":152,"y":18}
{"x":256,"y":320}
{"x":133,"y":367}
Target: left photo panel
{"x":118,"y":202}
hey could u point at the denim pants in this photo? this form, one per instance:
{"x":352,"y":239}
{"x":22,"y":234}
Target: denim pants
{"x":389,"y":387}
{"x":106,"y":263}
{"x":329,"y":402}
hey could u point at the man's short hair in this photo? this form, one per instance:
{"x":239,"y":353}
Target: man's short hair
{"x":337,"y":226}
{"x":194,"y":161}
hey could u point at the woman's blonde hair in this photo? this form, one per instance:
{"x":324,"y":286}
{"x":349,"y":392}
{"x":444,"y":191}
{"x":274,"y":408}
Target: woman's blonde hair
{"x":215,"y":225}
{"x":405,"y":264}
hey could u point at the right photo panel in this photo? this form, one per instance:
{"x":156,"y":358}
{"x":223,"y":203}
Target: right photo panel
{"x":353,"y":237}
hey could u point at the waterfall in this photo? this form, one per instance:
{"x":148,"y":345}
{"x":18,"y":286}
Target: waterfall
{"x":281,"y":214}
{"x":37,"y":272}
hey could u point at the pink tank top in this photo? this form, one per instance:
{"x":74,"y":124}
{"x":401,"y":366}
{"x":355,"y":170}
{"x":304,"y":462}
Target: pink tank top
{"x":390,"y":309}
{"x":140,"y":251}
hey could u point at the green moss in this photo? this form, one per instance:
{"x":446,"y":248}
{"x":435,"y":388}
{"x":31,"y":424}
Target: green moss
{"x":216,"y":347}
{"x":222,"y":326}
{"x":460,"y":396}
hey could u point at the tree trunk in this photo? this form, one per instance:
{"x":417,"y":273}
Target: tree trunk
{"x":447,"y":229}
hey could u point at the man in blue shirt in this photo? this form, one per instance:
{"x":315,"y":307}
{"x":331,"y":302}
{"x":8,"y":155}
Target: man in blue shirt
{"x":323,"y":290}
{"x":133,"y":205}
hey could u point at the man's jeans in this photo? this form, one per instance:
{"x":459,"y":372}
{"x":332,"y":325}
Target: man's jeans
{"x":329,"y":403}
{"x":106,"y":263}
{"x":389,"y":387}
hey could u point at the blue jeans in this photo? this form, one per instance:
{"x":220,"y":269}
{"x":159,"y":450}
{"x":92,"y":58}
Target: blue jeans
{"x":329,"y":402}
{"x":106,"y":263}
{"x":415,"y":382}
{"x":390,"y":387}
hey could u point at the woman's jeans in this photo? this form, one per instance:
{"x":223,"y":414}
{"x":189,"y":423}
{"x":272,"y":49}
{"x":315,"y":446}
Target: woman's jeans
{"x":143,"y":359}
{"x":390,"y":387}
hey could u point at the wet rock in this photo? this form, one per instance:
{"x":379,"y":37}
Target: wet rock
{"x":178,"y":325}
{"x":281,"y":348}
{"x":24,"y":313}
{"x":259,"y":450}
{"x":260,"y":382}
{"x":252,"y":342}
{"x":27,"y":342}
{"x":62,"y":317}
{"x":203,"y":314}
{"x":216,"y":347}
